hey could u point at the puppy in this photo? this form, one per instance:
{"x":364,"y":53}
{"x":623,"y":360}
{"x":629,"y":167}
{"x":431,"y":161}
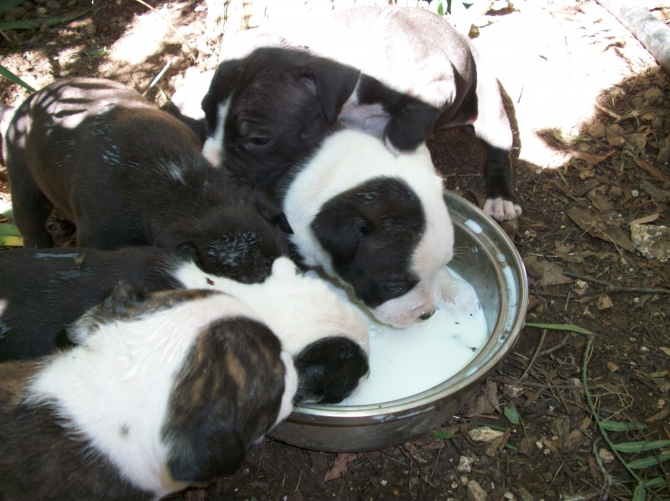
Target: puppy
{"x":162,"y":392}
{"x":43,"y":291}
{"x":401,"y":74}
{"x":376,"y":222}
{"x":128,"y":174}
{"x":326,"y":335}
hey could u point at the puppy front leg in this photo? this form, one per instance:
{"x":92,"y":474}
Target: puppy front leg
{"x":31,"y":210}
{"x":492,"y":127}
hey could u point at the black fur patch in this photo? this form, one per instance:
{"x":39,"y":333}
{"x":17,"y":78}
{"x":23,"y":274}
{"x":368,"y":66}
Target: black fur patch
{"x":329,"y":370}
{"x":371,"y":231}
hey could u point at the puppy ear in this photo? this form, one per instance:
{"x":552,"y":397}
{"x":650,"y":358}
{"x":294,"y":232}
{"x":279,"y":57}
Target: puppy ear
{"x":270,"y":209}
{"x":205,"y":455}
{"x":333,"y":83}
{"x":219,"y":89}
{"x":339,"y":227}
{"x":411,"y":124}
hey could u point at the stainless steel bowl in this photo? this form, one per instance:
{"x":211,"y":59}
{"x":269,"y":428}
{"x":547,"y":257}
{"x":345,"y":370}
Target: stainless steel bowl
{"x":490,"y":262}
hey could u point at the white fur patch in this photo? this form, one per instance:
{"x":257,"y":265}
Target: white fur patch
{"x":348,"y":159}
{"x":212,"y":150}
{"x":115,"y":387}
{"x":290,"y":387}
{"x":299,"y":309}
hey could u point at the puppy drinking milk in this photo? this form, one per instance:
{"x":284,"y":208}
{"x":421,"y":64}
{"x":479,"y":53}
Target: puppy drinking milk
{"x":43,"y":291}
{"x":127,"y":173}
{"x":161,"y":393}
{"x":393,"y":72}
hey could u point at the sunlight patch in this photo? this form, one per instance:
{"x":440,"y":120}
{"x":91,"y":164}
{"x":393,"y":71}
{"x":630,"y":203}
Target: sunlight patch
{"x":143,"y":40}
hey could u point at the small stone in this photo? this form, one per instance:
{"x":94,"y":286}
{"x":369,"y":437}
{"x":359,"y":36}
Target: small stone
{"x":41,"y":11}
{"x":615,"y":192}
{"x":464,"y":480}
{"x":663,"y":155}
{"x":580,"y":287}
{"x":612,"y":366}
{"x":613,"y":130}
{"x":90,"y":29}
{"x":596,"y":130}
{"x":657,"y":123}
{"x":637,"y":102}
{"x":465,"y":464}
{"x":475,"y":491}
{"x":44,"y":29}
{"x":604,"y":302}
{"x":606,"y":456}
{"x":509,"y":495}
{"x":654,"y":96}
{"x":53,"y":5}
{"x":652,"y":241}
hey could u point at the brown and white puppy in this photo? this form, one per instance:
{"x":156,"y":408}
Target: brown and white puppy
{"x":42,"y":292}
{"x":127,"y":173}
{"x":396,"y":73}
{"x":162,"y":392}
{"x":375,"y":221}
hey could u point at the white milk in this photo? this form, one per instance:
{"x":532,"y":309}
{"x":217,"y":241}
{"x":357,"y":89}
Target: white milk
{"x":404,"y":362}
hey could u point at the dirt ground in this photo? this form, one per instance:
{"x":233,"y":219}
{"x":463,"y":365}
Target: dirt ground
{"x":592,"y":117}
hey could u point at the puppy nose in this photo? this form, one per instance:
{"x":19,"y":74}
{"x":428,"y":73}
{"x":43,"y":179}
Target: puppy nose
{"x":426,"y":316}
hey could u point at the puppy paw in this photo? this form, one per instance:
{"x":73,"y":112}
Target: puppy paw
{"x":457,"y":296}
{"x":502,"y":210}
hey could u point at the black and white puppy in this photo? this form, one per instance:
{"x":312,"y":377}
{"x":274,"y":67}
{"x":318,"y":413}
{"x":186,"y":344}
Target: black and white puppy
{"x":377,"y":222}
{"x":43,"y":291}
{"x":396,"y":73}
{"x":127,"y":173}
{"x":162,"y":393}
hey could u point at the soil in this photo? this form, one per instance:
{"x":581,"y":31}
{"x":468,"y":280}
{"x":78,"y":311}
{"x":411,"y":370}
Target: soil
{"x":595,"y":173}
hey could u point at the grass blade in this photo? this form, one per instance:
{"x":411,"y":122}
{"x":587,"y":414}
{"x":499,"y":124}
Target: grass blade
{"x":631,"y":447}
{"x":11,"y":241}
{"x":619,"y":426}
{"x":5,"y":5}
{"x":639,"y":464}
{"x":640,"y":493}
{"x":9,"y":230}
{"x":11,"y":76}
{"x":34,"y":24}
{"x":561,"y":327}
{"x":442,"y":435}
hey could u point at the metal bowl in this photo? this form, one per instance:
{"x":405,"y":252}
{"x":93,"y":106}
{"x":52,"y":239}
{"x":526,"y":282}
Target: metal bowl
{"x":494,"y":268}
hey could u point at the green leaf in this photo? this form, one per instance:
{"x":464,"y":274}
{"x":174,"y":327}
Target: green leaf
{"x":5,"y":5}
{"x":9,"y":229}
{"x":639,"y":464}
{"x":631,"y":447}
{"x":639,"y":493}
{"x":619,"y":426}
{"x":442,"y":435}
{"x":96,"y":53}
{"x":510,"y":446}
{"x":655,"y":483}
{"x":511,"y":414}
{"x":11,"y":76}
{"x":11,"y":241}
{"x":34,"y":24}
{"x":561,"y":327}
{"x":440,"y":8}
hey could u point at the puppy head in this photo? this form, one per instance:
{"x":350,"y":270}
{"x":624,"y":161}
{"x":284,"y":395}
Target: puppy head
{"x":376,"y":222}
{"x":234,"y":386}
{"x":267,"y":111}
{"x":239,"y":240}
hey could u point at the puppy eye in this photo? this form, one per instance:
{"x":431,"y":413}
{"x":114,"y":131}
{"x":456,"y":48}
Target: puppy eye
{"x":259,"y":141}
{"x":395,"y":289}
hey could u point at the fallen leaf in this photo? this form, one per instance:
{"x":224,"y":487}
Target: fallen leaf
{"x":665,"y":350}
{"x":612,"y":366}
{"x":604,"y":302}
{"x":600,"y":226}
{"x":551,"y":274}
{"x":651,"y":169}
{"x":485,"y":434}
{"x":646,"y":219}
{"x":600,"y":199}
{"x":589,"y":158}
{"x":492,"y":394}
{"x":343,"y":458}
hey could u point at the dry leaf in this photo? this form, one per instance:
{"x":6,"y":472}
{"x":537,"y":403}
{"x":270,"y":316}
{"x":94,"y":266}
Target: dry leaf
{"x":646,"y":219}
{"x":612,"y":366}
{"x":665,"y":350}
{"x":600,"y":226}
{"x":485,"y":434}
{"x":552,"y":274}
{"x":343,"y":458}
{"x":590,"y":158}
{"x":492,"y":394}
{"x":651,"y":169}
{"x":604,"y":302}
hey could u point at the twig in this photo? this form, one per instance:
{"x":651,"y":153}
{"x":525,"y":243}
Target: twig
{"x":537,"y":351}
{"x":556,"y":347}
{"x":4,"y":35}
{"x":616,"y":288}
{"x":158,"y":77}
{"x":540,"y":385}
